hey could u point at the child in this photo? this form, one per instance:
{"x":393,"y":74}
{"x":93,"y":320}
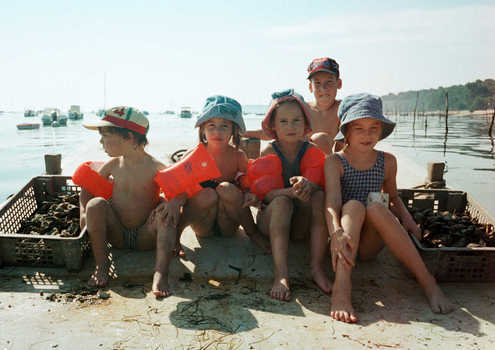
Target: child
{"x":222,"y":205}
{"x":324,"y":81}
{"x":357,"y":228}
{"x":128,"y":219}
{"x":297,"y":209}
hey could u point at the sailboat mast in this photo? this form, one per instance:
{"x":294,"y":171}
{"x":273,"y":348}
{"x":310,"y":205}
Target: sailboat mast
{"x":105,"y":91}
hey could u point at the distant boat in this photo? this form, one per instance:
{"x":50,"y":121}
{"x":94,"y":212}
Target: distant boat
{"x":169,"y":112}
{"x":75,"y":112}
{"x":53,"y":117}
{"x":28,"y":126}
{"x":185,"y":112}
{"x":29,"y":113}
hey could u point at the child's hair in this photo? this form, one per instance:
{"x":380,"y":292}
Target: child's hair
{"x":236,"y":137}
{"x":140,"y":138}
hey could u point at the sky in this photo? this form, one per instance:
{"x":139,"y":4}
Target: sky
{"x":159,"y":55}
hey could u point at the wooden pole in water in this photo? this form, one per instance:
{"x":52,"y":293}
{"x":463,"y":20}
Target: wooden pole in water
{"x":446,"y":113}
{"x":490,"y":129}
{"x":415,"y":108}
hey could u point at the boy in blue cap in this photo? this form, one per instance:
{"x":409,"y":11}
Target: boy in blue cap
{"x":358,"y":224}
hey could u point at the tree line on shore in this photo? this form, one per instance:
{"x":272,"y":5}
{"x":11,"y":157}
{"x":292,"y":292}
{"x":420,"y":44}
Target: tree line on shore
{"x":477,"y":95}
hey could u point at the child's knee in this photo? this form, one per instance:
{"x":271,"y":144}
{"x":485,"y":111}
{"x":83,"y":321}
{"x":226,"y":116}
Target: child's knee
{"x":229,"y":192}
{"x":207,"y":198}
{"x":97,"y":204}
{"x":376,"y":209}
{"x":284,"y":204}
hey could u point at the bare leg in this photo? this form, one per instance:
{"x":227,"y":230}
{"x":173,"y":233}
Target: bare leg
{"x":166,"y":238}
{"x":200,"y":212}
{"x":353,"y":213}
{"x":320,"y":259}
{"x":401,"y":246}
{"x":103,"y":226}
{"x":275,"y":221}
{"x":231,"y":199}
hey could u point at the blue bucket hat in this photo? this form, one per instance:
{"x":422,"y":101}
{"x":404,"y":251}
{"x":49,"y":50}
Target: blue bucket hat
{"x":219,"y":106}
{"x":360,"y":106}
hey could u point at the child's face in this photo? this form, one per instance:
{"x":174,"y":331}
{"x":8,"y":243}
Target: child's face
{"x":289,"y":123}
{"x":112,"y":143}
{"x":324,"y":86}
{"x":217,"y":131}
{"x":364,"y":133}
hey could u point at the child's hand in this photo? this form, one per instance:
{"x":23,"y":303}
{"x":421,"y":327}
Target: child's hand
{"x":168,"y":212}
{"x":301,"y":187}
{"x":341,"y":249}
{"x":250,"y":199}
{"x":413,"y":228}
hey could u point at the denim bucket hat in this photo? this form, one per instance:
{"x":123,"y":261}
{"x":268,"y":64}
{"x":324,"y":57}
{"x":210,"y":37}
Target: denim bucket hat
{"x":360,"y":106}
{"x":219,"y":106}
{"x":282,"y":96}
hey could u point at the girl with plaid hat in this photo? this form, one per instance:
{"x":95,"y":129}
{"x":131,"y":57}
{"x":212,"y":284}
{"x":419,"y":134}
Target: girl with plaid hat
{"x":294,"y":208}
{"x":359,"y":224}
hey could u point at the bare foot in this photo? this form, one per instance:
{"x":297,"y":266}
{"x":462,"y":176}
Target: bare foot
{"x":159,"y":286}
{"x":280,"y":290}
{"x":261,"y":241}
{"x":320,"y":277}
{"x":99,"y":278}
{"x":341,"y":307}
{"x":439,"y":303}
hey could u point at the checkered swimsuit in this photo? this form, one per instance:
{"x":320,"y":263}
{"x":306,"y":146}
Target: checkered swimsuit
{"x":356,"y":184}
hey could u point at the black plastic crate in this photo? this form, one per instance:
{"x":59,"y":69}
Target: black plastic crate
{"x":451,"y":264}
{"x":39,"y":250}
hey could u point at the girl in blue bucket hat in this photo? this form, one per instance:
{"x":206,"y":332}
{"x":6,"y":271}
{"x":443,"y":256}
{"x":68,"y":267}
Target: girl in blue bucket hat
{"x":359,"y":219}
{"x":222,"y":205}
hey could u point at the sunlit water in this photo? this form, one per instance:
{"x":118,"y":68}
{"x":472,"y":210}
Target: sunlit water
{"x":471,"y":165}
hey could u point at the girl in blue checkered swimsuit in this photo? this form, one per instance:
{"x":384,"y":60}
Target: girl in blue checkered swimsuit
{"x":359,"y":226}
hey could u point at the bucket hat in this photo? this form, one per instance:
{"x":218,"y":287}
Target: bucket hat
{"x":283,"y":96}
{"x":360,"y":106}
{"x":219,"y":106}
{"x":122,"y":117}
{"x":324,"y":64}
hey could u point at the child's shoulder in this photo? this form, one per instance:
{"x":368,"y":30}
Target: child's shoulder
{"x":268,"y":149}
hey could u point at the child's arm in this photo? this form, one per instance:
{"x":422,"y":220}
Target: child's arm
{"x":256,"y":134}
{"x":250,"y":199}
{"x":396,"y":205}
{"x":340,"y":247}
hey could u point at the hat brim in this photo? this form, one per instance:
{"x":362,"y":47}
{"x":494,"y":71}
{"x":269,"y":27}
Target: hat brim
{"x":212,"y":114}
{"x":266,"y":124}
{"x":323,"y":70}
{"x":99,"y":124}
{"x":387,"y":128}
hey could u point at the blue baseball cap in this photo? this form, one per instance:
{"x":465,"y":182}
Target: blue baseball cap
{"x":224,"y":107}
{"x":360,"y":106}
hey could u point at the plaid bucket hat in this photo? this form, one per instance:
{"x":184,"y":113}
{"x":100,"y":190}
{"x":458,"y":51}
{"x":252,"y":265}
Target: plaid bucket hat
{"x":324,"y":64}
{"x":360,"y":106}
{"x":122,"y":117}
{"x":282,"y":96}
{"x":219,"y":106}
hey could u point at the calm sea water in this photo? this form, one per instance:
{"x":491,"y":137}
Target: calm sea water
{"x":471,"y":165}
